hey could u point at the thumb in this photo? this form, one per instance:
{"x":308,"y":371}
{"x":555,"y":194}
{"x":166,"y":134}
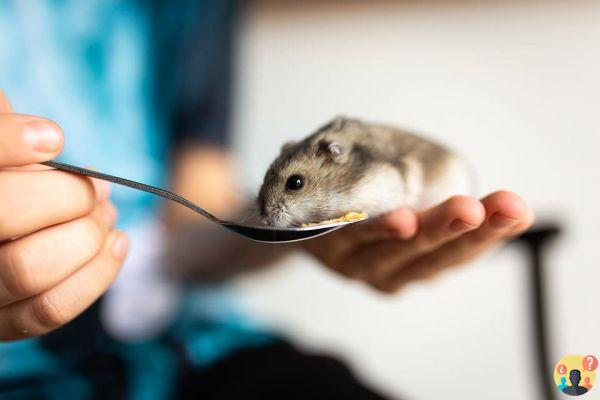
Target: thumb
{"x":5,"y":106}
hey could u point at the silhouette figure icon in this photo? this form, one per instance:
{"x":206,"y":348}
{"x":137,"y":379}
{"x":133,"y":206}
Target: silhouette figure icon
{"x":575,"y":389}
{"x":587,"y":383}
{"x":563,"y":383}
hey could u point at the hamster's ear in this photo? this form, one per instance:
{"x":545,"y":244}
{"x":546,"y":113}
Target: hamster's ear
{"x":333,"y":151}
{"x":338,"y":123}
{"x":335,"y":125}
{"x":288,"y":146}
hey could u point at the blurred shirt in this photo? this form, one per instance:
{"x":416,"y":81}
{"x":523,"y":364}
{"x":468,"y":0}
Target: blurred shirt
{"x":128,"y":81}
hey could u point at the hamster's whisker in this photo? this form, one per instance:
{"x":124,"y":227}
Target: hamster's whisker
{"x":246,"y":218}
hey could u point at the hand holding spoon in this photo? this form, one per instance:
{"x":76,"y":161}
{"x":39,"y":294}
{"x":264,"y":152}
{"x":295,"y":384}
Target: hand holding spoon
{"x":259,"y":233}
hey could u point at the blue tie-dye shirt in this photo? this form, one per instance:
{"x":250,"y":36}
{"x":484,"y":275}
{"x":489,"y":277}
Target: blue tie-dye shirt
{"x":127,"y":81}
{"x":124,"y":79}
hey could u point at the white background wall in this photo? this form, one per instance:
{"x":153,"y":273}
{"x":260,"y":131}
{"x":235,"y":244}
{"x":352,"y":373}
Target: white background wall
{"x":515,"y":86}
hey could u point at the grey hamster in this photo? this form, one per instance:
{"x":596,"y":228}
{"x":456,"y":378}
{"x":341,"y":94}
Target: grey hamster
{"x":351,"y":165}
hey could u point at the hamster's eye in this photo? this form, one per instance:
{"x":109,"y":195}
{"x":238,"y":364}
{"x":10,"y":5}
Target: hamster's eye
{"x":294,"y":182}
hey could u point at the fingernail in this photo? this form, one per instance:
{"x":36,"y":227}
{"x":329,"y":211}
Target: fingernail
{"x":120,"y":246}
{"x":499,"y":221}
{"x":110,"y":214}
{"x":42,"y":136}
{"x":458,"y":225}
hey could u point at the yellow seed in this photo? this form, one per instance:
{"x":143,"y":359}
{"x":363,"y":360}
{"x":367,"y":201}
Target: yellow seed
{"x":348,"y":217}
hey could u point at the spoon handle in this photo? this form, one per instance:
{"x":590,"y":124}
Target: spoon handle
{"x":132,"y":184}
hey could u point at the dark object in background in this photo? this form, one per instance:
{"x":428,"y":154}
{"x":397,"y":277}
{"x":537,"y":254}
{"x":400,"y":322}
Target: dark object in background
{"x":274,"y":372}
{"x":535,"y":241}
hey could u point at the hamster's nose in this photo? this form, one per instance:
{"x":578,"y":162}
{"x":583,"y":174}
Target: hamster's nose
{"x":272,"y":208}
{"x":270,"y":217}
{"x":273,"y":215}
{"x":267,"y":214}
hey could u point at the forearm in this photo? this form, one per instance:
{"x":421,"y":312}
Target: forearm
{"x":207,"y":252}
{"x":196,"y":248}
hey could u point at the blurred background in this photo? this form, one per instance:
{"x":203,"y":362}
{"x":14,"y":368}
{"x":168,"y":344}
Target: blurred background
{"x":512,"y":85}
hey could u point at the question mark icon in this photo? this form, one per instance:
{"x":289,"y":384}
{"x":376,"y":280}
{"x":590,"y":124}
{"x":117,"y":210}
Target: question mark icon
{"x":590,"y":363}
{"x":561,"y":369}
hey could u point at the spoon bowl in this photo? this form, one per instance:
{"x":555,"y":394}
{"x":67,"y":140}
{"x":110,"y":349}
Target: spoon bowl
{"x":259,"y":233}
{"x":271,"y":234}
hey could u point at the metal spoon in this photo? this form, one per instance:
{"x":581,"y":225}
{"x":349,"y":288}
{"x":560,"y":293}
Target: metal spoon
{"x":267,"y":234}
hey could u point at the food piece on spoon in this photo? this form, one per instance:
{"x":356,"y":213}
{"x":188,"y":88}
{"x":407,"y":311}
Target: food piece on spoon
{"x":348,"y":217}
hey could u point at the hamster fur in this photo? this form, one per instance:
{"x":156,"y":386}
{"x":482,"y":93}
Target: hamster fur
{"x":351,"y":165}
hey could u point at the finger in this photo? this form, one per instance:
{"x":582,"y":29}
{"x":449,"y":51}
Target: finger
{"x":438,"y":225}
{"x":103,"y":188}
{"x":56,"y":307}
{"x":398,"y":224}
{"x":507,"y":215}
{"x":5,"y":107}
{"x":450,"y":219}
{"x":26,"y":140}
{"x":37,"y":262}
{"x":32,"y":200}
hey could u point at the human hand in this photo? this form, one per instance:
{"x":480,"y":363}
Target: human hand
{"x":58,"y":249}
{"x":400,"y":247}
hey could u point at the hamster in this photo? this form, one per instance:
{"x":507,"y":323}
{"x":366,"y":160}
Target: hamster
{"x":350,"y":165}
